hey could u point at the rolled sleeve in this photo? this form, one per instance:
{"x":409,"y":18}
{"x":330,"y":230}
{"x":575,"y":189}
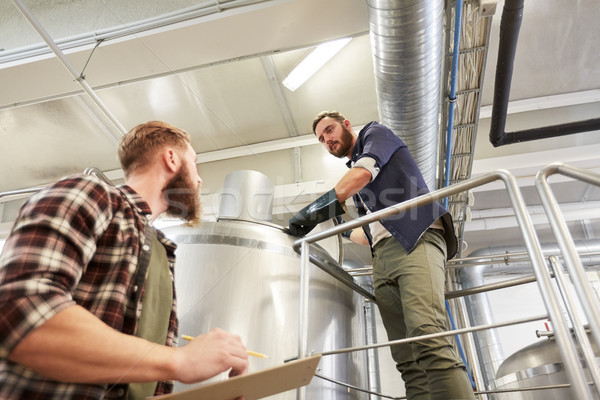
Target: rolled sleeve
{"x":368,"y":163}
{"x":22,"y":315}
{"x":379,"y":143}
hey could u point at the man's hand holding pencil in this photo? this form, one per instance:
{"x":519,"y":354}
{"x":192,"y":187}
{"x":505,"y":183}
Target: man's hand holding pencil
{"x":210,"y":354}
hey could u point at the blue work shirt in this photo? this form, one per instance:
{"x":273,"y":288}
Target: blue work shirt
{"x":398,"y":180}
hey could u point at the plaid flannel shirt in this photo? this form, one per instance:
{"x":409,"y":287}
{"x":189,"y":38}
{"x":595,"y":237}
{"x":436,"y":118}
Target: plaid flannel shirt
{"x":81,"y":242}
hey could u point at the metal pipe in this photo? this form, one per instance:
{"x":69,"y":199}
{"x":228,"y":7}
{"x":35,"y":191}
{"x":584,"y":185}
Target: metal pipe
{"x":370,"y":332}
{"x":469,"y":343}
{"x":459,"y":346}
{"x":404,"y":206}
{"x":584,"y":343}
{"x":67,"y":64}
{"x":494,"y":286}
{"x":479,"y":312}
{"x":563,"y":337}
{"x":437,"y":335}
{"x":96,"y":172}
{"x":586,"y":295}
{"x":329,"y":265}
{"x":87,"y":171}
{"x":304,"y":296}
{"x":372,"y":355}
{"x":510,"y":25}
{"x":546,"y":132}
{"x":525,"y":389}
{"x":471,"y":277}
{"x":521,"y":259}
{"x":20,"y":191}
{"x":303,"y":320}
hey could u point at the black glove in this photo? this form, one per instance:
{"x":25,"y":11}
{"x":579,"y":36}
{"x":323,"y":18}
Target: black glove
{"x":345,"y":234}
{"x":325,"y":207}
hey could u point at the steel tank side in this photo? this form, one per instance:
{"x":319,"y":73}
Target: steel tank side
{"x":244,"y":277}
{"x":539,"y":364}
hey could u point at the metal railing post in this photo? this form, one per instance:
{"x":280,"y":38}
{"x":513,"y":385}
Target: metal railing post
{"x":563,"y":338}
{"x":578,"y":329}
{"x":572,"y":261}
{"x":303,"y":320}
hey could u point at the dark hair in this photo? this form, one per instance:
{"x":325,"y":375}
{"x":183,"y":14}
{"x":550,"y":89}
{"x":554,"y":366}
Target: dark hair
{"x":331,"y":114}
{"x":141,"y":144}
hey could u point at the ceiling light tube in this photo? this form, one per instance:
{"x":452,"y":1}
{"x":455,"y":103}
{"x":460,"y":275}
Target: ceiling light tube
{"x":311,"y":64}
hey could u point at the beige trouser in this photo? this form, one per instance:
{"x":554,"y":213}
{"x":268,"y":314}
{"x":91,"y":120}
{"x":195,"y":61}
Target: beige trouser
{"x":409,"y":289}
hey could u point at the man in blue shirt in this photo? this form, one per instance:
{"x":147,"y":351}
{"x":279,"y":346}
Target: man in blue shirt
{"x":409,"y":250}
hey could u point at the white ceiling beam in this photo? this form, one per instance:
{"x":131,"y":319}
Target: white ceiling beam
{"x":257,"y":148}
{"x":546,"y":102}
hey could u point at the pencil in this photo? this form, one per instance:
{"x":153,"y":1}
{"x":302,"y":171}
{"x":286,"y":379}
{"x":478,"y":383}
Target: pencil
{"x":255,"y":354}
{"x":250,"y":352}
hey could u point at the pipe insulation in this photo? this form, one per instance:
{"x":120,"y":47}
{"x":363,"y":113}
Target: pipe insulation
{"x":406,"y":41}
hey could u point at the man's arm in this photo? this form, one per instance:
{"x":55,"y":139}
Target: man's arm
{"x":351,"y":183}
{"x":330,"y":204}
{"x":358,"y":236}
{"x":75,"y":346}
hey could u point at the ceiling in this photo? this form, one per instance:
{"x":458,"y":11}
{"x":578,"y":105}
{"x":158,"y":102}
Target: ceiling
{"x":217,"y":75}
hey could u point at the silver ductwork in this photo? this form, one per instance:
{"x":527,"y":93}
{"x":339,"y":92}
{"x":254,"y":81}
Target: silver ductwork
{"x":478,"y":306}
{"x":406,"y":41}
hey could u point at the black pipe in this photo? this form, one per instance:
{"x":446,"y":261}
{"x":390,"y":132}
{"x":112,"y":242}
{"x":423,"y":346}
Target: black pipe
{"x":548,"y":132}
{"x":510,"y":25}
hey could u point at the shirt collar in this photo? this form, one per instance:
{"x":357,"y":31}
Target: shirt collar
{"x":143,"y":208}
{"x":355,"y":149}
{"x":135,"y":200}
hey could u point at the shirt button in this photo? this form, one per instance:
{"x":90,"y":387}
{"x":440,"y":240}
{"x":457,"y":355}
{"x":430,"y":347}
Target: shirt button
{"x":135,"y":288}
{"x":146,"y":247}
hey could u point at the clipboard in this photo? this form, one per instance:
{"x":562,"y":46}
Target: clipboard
{"x":256,"y":385}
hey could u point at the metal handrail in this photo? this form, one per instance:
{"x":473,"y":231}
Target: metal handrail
{"x":96,"y":172}
{"x":439,"y":334}
{"x":87,"y":171}
{"x":578,"y":329}
{"x":563,"y":338}
{"x":565,"y":242}
{"x":506,"y":258}
{"x":20,"y":191}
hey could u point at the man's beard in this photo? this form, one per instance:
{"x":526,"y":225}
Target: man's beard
{"x":344,"y":145}
{"x":182,"y":197}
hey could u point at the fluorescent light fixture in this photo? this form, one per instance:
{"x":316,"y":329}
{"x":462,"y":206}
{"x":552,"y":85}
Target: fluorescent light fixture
{"x":311,"y":64}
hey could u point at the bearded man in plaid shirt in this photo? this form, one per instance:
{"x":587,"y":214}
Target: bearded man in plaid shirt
{"x":87,"y":295}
